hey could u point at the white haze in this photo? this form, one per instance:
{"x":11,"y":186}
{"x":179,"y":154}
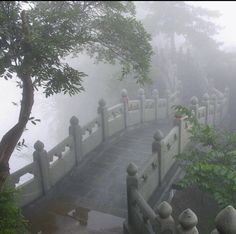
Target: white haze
{"x":227,"y":20}
{"x":54,"y":121}
{"x":53,"y":112}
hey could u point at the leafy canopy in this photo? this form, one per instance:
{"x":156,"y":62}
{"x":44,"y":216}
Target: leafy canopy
{"x":210,"y":161}
{"x":106,"y":30}
{"x":181,"y":18}
{"x":185,"y":36}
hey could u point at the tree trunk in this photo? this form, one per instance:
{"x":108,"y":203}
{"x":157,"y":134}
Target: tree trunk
{"x":11,"y":138}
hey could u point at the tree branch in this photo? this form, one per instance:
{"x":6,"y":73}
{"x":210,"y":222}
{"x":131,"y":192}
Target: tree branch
{"x":11,"y":138}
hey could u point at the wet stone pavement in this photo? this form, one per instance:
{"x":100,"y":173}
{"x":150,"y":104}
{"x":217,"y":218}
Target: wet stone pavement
{"x":92,"y":197}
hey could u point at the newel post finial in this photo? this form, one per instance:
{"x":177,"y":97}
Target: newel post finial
{"x":187,"y":222}
{"x":155,"y":95}
{"x":206,"y":103}
{"x":194,"y":104}
{"x":125,"y":100}
{"x":131,"y":183}
{"x":141,"y":94}
{"x":157,"y":150}
{"x":76,"y":132}
{"x":164,"y":211}
{"x":40,"y":156}
{"x":158,"y":136}
{"x":225,"y":221}
{"x":168,"y":104}
{"x":213,"y":101}
{"x":102,"y":110}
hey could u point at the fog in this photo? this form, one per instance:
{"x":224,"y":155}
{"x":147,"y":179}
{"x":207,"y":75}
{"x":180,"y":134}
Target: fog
{"x":226,"y":20}
{"x":53,"y":111}
{"x":102,"y":82}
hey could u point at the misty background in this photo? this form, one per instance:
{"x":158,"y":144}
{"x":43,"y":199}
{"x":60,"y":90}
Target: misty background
{"x":186,"y":48}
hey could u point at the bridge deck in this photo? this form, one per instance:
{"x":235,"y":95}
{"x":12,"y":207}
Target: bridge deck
{"x":98,"y":184}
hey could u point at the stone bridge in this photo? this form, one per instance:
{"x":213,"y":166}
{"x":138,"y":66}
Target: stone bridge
{"x":87,"y":170}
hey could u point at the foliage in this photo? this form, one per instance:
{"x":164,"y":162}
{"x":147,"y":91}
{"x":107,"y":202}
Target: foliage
{"x":33,"y":43}
{"x":176,"y":17}
{"x":11,"y":219}
{"x":106,"y":30}
{"x":186,"y":39}
{"x":210,"y":161}
{"x":184,"y":111}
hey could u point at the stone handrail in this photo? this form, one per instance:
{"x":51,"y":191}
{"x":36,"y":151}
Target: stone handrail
{"x":91,"y":127}
{"x":30,"y":168}
{"x":160,"y":220}
{"x":60,"y":149}
{"x":134,"y":105}
{"x":143,"y":182}
{"x":145,"y":209}
{"x":148,"y":177}
{"x":49,"y":167}
{"x":115,"y":111}
{"x":149,"y":104}
{"x":202,"y":114}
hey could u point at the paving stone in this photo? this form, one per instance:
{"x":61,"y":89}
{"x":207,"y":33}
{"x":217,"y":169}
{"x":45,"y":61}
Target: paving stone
{"x":100,"y":182}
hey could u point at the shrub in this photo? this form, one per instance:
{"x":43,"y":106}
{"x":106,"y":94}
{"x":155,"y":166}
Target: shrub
{"x":210,"y":161}
{"x":11,"y":219}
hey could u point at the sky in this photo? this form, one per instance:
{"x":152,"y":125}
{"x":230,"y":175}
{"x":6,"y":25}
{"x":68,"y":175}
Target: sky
{"x":227,"y":19}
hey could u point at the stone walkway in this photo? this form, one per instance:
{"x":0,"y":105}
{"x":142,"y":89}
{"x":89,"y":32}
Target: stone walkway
{"x":97,"y":185}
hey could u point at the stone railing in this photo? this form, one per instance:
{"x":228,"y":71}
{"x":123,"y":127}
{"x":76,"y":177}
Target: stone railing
{"x":213,"y":109}
{"x":143,"y":183}
{"x":160,"y":221}
{"x":49,"y":167}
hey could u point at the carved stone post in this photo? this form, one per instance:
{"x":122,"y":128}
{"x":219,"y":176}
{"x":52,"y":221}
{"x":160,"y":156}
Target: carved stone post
{"x":156,"y":149}
{"x":141,"y":94}
{"x":225,"y":221}
{"x":221,"y":106}
{"x":41,"y":156}
{"x":166,"y":221}
{"x":187,"y":222}
{"x":125,"y":99}
{"x":131,"y":183}
{"x":226,"y":94}
{"x":76,"y":132}
{"x":180,"y":91}
{"x":194,"y":105}
{"x":206,"y":103}
{"x":214,"y":103}
{"x":178,"y":121}
{"x":156,"y":98}
{"x":102,"y":110}
{"x":168,"y":103}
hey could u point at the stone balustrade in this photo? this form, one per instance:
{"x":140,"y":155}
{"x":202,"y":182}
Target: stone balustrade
{"x":202,"y":114}
{"x":160,"y":221}
{"x":143,"y":219}
{"x":92,"y":136}
{"x":142,"y":183}
{"x":49,"y":167}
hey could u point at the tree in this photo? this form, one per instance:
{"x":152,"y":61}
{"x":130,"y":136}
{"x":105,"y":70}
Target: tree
{"x":175,"y":23}
{"x":33,"y":43}
{"x":210,"y":161}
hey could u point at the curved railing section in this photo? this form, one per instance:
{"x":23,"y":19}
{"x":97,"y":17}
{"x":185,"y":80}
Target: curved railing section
{"x":49,"y":167}
{"x":143,"y":183}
